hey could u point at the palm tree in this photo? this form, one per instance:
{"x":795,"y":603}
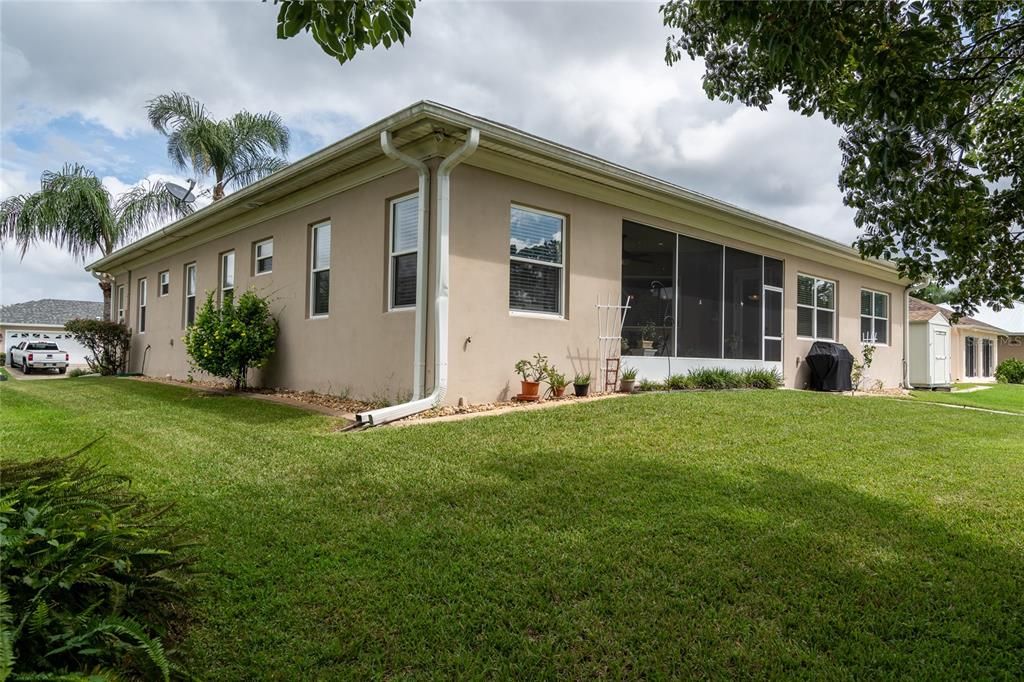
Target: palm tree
{"x":74,"y":211}
{"x":237,"y":150}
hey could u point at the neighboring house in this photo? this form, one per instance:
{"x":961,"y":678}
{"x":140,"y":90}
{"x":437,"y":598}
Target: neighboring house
{"x":1011,"y":345}
{"x":44,"y":320}
{"x":523,"y":239}
{"x":943,"y":352}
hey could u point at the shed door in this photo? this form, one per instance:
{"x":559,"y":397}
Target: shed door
{"x":940,"y":360}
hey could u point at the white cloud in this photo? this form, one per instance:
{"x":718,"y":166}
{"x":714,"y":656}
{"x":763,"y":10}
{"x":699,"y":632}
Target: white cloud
{"x":589,"y":75}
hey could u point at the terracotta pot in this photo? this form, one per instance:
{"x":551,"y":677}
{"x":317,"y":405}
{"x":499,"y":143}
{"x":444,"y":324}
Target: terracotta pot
{"x":626,"y":386}
{"x":558,"y":392}
{"x":530,"y":388}
{"x":581,"y":390}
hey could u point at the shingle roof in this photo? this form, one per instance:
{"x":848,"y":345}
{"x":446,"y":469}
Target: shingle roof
{"x":52,"y":311}
{"x":922,"y":311}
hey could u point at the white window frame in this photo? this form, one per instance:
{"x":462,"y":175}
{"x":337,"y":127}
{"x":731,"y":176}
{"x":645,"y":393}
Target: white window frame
{"x":975,"y":346}
{"x":122,"y":302}
{"x":560,"y":315}
{"x":989,"y":371}
{"x":764,"y":305}
{"x":163,"y":279}
{"x":392,"y":254}
{"x":313,"y":270}
{"x":256,"y":258}
{"x":815,"y":336}
{"x":875,"y":318}
{"x":143,"y":304}
{"x":190,"y":294}
{"x":223,"y":271}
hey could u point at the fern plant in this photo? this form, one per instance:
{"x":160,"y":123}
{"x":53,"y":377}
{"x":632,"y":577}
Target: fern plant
{"x":94,"y":574}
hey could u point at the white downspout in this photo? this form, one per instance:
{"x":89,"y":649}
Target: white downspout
{"x":387,"y":414}
{"x":419,"y":364}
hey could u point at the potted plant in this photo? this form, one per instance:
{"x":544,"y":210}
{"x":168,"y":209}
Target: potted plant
{"x":581,"y":385}
{"x":532,"y":373}
{"x":648,"y":332}
{"x":557,"y":382}
{"x":628,"y":380}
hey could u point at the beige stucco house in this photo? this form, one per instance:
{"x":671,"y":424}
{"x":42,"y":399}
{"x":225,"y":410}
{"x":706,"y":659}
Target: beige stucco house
{"x":943,"y":352}
{"x":1011,"y":345}
{"x":423,"y":255}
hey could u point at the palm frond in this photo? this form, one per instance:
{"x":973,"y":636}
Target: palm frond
{"x":175,"y":111}
{"x":260,"y":132}
{"x":253,"y":169}
{"x":145,"y":206}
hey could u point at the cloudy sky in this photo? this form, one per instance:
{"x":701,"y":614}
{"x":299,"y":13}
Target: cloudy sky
{"x":76,"y":76}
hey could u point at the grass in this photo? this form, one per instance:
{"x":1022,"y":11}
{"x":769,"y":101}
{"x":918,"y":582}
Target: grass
{"x":1005,"y":397}
{"x":738,"y":534}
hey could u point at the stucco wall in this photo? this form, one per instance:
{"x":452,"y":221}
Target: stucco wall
{"x":360,"y":348}
{"x":958,"y":366}
{"x":365,"y":351}
{"x":1011,"y":347}
{"x":486,"y":339}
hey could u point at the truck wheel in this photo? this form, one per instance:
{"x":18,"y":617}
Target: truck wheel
{"x":62,"y":370}
{"x":25,"y":369}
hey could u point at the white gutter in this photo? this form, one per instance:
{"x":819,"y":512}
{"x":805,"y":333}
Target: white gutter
{"x":444,"y":171}
{"x":419,"y":364}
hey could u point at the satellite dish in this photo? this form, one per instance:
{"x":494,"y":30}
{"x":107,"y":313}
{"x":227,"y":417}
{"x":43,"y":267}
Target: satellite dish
{"x":183,"y":195}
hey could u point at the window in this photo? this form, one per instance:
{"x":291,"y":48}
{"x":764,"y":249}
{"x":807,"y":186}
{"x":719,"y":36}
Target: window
{"x":815,"y":308}
{"x":970,"y":357}
{"x":700,"y":298}
{"x":987,"y":349}
{"x":773,"y":310}
{"x":190,"y":294}
{"x":648,"y":267}
{"x":142,"y":306}
{"x":404,"y":238}
{"x":874,"y":317}
{"x":120,"y":303}
{"x":320,"y":270}
{"x":264,"y":256}
{"x":536,"y":261}
{"x":696,"y":299}
{"x":742,"y":331}
{"x":164,"y":284}
{"x":227,"y":275}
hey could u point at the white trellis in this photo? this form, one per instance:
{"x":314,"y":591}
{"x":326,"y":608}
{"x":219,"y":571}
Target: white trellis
{"x":610,"y":319}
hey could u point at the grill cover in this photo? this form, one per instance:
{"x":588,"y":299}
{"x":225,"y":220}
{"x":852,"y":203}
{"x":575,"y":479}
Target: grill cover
{"x":831,"y":367}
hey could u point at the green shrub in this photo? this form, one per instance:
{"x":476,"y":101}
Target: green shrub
{"x":3,"y":358}
{"x":649,"y":385}
{"x":228,"y":340}
{"x":1010,"y":371}
{"x":107,"y":341}
{"x":762,"y":378}
{"x":92,"y":573}
{"x":678,"y":382}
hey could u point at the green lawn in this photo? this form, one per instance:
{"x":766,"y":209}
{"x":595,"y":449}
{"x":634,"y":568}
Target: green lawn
{"x":737,"y":534}
{"x":1006,"y":397}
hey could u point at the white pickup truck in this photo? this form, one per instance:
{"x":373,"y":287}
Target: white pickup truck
{"x":38,"y":355}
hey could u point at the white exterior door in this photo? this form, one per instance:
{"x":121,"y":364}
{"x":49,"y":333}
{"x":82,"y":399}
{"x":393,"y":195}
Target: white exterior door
{"x":940,"y":357}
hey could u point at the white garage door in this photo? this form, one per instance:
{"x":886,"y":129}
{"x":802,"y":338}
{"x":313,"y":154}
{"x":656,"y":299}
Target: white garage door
{"x":66,"y":342}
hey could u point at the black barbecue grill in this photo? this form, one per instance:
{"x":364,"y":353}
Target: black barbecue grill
{"x":831,"y":366}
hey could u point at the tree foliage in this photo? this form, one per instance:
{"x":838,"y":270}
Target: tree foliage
{"x":237,"y":150}
{"x":228,"y":340}
{"x":344,"y":27}
{"x":107,"y":342}
{"x":928,"y":95}
{"x":74,"y":211}
{"x":93,"y":574}
{"x":936,"y":293}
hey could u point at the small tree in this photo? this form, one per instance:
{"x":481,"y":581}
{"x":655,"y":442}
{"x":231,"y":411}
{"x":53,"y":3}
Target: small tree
{"x":227,"y":340}
{"x":107,"y":342}
{"x":861,"y":367}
